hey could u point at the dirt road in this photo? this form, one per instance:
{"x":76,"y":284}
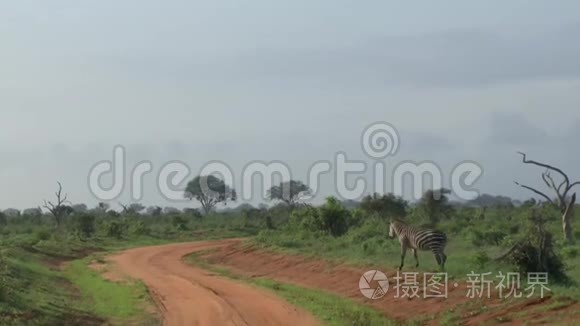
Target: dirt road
{"x":187,"y":295}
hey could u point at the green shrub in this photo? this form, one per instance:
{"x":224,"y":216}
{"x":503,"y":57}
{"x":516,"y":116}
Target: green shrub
{"x":116,"y":229}
{"x":536,"y":254}
{"x":331,"y":218}
{"x":570,"y":252}
{"x":514,"y":229}
{"x":483,"y":238}
{"x":179,"y":222}
{"x":42,"y":235}
{"x":140,"y":228}
{"x":481,"y":259}
{"x":371,"y":228}
{"x":84,"y":225}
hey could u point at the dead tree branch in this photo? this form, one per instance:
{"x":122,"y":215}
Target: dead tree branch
{"x":565,"y":205}
{"x":57,"y":209}
{"x":561,"y":191}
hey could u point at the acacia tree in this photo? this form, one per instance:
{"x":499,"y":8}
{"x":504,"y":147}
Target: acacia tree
{"x":102,"y":208}
{"x":290,"y":192}
{"x":154,"y":211}
{"x":564,"y":203}
{"x":435,"y":205}
{"x":58,"y":209}
{"x":387,"y":205}
{"x":209,"y":190}
{"x":132,"y":209}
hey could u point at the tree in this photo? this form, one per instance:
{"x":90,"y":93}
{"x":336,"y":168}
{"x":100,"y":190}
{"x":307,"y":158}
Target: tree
{"x":32,"y":212}
{"x":530,"y":203}
{"x":209,"y":191}
{"x":154,"y":210}
{"x":80,"y":208}
{"x":34,"y":215}
{"x":170,"y":210}
{"x":132,"y":209}
{"x":290,"y":192}
{"x":3,"y":220}
{"x":435,"y":204}
{"x":12,"y":212}
{"x":113,"y":213}
{"x":564,"y":203}
{"x":59,"y":209}
{"x":331,"y":218}
{"x":387,"y":205}
{"x":103,"y":207}
{"x":192,"y":212}
{"x":486,"y":200}
{"x":84,"y":225}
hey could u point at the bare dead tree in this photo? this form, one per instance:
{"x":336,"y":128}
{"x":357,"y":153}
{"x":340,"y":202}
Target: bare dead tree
{"x":126,"y":209}
{"x":59,"y":208}
{"x":560,"y":190}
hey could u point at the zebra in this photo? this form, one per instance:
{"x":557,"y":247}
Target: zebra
{"x":418,"y":238}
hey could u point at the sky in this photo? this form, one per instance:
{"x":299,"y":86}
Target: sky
{"x":295,"y":82}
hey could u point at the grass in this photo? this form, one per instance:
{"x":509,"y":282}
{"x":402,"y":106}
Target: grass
{"x":368,"y":245}
{"x":35,"y":290}
{"x":330,"y":309}
{"x":120,"y":302}
{"x":33,"y":293}
{"x":449,"y":318}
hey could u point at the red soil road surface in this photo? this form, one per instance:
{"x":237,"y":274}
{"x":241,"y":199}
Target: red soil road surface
{"x":186,"y":295}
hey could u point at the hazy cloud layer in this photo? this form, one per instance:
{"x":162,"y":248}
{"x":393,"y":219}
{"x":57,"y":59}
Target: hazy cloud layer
{"x":297,"y":82}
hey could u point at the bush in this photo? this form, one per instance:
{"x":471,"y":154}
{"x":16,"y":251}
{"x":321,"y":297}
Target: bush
{"x":179,"y":222}
{"x":570,"y":252}
{"x":386,"y":206}
{"x":481,"y":259}
{"x":333,"y":217}
{"x":42,"y":235}
{"x":84,"y":225}
{"x":483,"y":238}
{"x":535,"y":254}
{"x":116,"y":229}
{"x":370,"y":229}
{"x":140,"y":228}
{"x":357,"y":218}
{"x":514,"y":229}
{"x":3,"y":220}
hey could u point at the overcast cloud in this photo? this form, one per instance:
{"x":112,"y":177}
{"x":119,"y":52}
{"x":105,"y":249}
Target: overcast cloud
{"x":258,"y":80}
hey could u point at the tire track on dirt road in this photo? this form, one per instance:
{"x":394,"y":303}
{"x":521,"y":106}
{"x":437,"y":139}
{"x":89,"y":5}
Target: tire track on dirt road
{"x":186,"y":295}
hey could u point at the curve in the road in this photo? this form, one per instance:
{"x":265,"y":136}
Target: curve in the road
{"x":187,"y":295}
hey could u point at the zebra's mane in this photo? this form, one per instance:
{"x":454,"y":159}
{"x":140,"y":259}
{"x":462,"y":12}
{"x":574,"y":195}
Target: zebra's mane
{"x":399,"y":220}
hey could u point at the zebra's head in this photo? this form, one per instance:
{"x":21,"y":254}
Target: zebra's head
{"x":395,"y":227}
{"x":392,"y":231}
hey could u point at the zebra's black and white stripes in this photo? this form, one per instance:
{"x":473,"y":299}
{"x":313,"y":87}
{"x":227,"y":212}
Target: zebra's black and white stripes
{"x":414,"y":238}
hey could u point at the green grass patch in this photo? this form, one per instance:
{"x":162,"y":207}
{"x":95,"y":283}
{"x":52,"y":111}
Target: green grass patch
{"x":32,"y":292}
{"x":117,"y":301}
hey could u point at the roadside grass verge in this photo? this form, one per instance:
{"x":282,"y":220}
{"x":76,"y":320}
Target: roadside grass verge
{"x":118,"y":302}
{"x":33,"y":292}
{"x":329,"y":308}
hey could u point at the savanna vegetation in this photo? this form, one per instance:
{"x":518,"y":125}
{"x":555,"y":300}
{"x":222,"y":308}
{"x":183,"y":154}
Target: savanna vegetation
{"x":45,"y":277}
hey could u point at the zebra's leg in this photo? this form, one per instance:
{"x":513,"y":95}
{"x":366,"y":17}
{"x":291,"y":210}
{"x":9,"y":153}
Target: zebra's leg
{"x":416,"y":257}
{"x":438,"y":257}
{"x":441,"y":258}
{"x":403,"y":253}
